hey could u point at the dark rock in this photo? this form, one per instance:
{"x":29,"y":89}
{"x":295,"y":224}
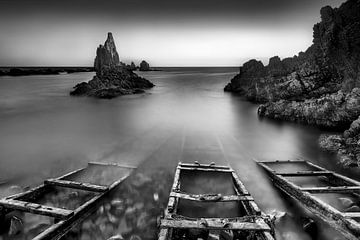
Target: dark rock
{"x":336,"y":110}
{"x":144,"y":66}
{"x":346,"y":146}
{"x":112,"y":78}
{"x":106,"y":55}
{"x":331,"y":64}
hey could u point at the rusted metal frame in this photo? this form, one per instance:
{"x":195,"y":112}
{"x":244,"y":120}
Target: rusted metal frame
{"x":35,"y":208}
{"x":110,"y":165}
{"x":58,"y":230}
{"x":76,"y":185}
{"x":203,"y":166}
{"x":337,"y":189}
{"x":216,"y":224}
{"x":349,"y":228}
{"x":211,"y":197}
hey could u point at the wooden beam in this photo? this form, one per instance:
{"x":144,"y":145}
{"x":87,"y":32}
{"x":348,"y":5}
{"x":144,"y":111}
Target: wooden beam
{"x":110,"y":165}
{"x":211,"y":197}
{"x":36,"y":208}
{"x":214,"y":223}
{"x":348,"y":189}
{"x":203,"y":166}
{"x":352,"y":214}
{"x":76,"y":185}
{"x":209,"y":169}
{"x":304,"y":173}
{"x":58,"y":230}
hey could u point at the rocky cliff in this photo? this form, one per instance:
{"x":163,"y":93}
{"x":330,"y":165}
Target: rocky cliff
{"x":331,"y":64}
{"x":144,"y":66}
{"x":112,"y":78}
{"x":319,"y":86}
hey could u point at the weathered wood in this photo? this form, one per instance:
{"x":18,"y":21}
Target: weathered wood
{"x":206,"y":169}
{"x":203,"y":166}
{"x":343,"y":189}
{"x":352,"y":214}
{"x":36,"y":208}
{"x":211,"y":223}
{"x":304,"y":173}
{"x":58,"y":230}
{"x":253,"y":221}
{"x":110,"y":165}
{"x":348,"y":227}
{"x":211,"y":197}
{"x":76,"y":185}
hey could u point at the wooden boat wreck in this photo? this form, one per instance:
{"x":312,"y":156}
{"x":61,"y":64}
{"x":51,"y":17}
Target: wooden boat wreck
{"x":330,"y":196}
{"x":92,"y":183}
{"x":210,"y":202}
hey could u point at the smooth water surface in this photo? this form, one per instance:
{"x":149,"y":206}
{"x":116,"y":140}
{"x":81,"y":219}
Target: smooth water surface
{"x":186,"y":117}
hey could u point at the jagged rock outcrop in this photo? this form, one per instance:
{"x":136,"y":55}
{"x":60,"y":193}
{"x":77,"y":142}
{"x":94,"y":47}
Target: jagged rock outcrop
{"x":299,"y":85}
{"x":106,"y":55}
{"x":319,"y":86}
{"x":133,"y":66}
{"x":144,"y":66}
{"x":112,"y":78}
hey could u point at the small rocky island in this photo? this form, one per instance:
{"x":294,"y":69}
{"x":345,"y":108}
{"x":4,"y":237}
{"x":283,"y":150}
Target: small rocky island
{"x":113,"y":78}
{"x":319,"y":86}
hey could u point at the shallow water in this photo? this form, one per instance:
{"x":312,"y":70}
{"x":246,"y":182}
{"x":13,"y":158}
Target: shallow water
{"x":186,"y":117}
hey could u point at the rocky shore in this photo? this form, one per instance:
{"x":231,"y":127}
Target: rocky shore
{"x":113,"y":78}
{"x":319,"y":86}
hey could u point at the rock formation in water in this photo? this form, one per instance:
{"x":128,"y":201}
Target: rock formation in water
{"x":133,"y":67}
{"x":144,"y":66}
{"x":320,"y":85}
{"x":112,"y":78}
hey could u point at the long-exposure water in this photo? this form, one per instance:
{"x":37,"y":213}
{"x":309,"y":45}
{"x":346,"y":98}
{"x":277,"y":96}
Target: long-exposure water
{"x":186,"y":117}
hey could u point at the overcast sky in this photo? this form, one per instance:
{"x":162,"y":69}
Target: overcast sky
{"x":165,"y":33}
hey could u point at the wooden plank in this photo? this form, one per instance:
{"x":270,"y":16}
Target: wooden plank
{"x":76,"y":185}
{"x":206,"y":169}
{"x":58,"y":230}
{"x":239,"y":184}
{"x":175,"y":187}
{"x":352,"y":214}
{"x":211,"y":223}
{"x":348,"y":227}
{"x":36,"y":208}
{"x":203,"y":166}
{"x":211,"y":197}
{"x":347,"y":189}
{"x":110,"y":165}
{"x":282,"y":161}
{"x":304,"y":173}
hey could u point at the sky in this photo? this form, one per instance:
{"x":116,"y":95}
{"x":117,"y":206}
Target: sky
{"x":164,"y":33}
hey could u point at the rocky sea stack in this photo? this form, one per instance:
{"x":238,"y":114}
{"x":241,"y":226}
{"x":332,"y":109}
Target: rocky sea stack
{"x":112,"y":77}
{"x":319,"y":86}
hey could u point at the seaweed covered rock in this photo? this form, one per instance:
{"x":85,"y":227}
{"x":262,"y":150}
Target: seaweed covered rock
{"x":112,"y":77}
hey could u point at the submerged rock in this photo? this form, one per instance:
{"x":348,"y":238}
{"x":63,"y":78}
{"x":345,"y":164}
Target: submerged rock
{"x":112,"y":78}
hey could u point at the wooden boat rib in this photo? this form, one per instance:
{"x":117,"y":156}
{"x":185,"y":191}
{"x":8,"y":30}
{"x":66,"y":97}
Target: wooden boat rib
{"x":253,"y":224}
{"x":346,"y":223}
{"x":65,"y":219}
